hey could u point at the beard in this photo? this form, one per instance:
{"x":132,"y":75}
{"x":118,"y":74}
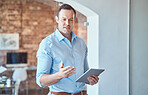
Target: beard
{"x":67,"y":29}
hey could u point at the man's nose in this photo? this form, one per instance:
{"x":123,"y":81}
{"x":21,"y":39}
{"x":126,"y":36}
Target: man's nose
{"x":67,"y":22}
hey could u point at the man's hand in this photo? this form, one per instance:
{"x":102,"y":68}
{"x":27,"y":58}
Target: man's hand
{"x":66,"y":72}
{"x":50,"y":79}
{"x":93,"y":80}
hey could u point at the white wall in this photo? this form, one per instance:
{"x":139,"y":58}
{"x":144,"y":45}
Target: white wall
{"x":139,"y":48}
{"x":114,"y":44}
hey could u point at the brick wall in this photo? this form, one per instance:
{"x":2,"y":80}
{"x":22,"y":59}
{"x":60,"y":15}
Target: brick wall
{"x":33,"y":21}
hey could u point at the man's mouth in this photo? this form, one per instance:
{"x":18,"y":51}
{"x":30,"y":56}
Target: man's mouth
{"x":67,"y":27}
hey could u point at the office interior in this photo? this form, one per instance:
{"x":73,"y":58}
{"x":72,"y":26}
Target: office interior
{"x":29,"y":21}
{"x":115,"y":32}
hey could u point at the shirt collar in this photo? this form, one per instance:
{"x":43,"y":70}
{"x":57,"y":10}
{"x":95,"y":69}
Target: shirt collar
{"x":73,"y":36}
{"x":61,"y":37}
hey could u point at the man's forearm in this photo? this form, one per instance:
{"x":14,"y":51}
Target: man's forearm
{"x":49,"y":79}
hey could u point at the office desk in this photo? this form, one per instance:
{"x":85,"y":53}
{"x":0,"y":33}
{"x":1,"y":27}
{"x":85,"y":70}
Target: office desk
{"x":29,"y":83}
{"x":7,"y":90}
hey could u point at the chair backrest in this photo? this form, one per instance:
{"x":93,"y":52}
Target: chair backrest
{"x":19,"y":74}
{"x":2,"y":69}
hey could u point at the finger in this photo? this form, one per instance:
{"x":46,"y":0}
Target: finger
{"x":92,"y":80}
{"x":66,"y":68}
{"x":95,"y":80}
{"x":71,"y":73}
{"x":62,"y":65}
{"x":96,"y":77}
{"x":72,"y":69}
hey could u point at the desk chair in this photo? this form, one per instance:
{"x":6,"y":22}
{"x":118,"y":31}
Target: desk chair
{"x":19,"y":75}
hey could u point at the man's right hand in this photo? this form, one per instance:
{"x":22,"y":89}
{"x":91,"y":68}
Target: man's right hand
{"x":66,"y":72}
{"x":50,"y":79}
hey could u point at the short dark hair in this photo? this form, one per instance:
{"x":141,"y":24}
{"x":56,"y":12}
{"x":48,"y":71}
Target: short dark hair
{"x":67,"y":7}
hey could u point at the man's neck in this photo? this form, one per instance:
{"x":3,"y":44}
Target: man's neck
{"x":67,"y":35}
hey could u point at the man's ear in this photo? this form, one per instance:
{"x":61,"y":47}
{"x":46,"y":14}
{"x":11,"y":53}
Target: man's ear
{"x":57,"y":19}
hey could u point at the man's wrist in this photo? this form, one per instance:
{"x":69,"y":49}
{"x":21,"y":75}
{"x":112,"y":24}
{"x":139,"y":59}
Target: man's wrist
{"x":59,"y":77}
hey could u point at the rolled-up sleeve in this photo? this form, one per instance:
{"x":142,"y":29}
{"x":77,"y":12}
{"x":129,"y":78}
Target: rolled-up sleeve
{"x":44,"y":61}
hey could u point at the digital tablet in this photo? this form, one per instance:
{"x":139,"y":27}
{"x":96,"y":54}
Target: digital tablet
{"x":89,"y":72}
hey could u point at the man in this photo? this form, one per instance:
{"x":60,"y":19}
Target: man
{"x":62,"y":58}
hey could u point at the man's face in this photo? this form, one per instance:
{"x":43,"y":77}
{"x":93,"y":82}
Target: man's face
{"x":65,"y":20}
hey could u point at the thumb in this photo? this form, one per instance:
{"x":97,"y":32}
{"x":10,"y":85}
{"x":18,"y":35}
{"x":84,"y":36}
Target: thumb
{"x":62,"y":65}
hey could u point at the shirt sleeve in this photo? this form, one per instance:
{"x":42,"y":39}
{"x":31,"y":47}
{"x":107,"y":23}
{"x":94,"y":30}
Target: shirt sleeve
{"x":44,"y":61}
{"x":86,"y":67}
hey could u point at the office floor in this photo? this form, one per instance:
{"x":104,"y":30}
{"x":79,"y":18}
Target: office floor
{"x":25,"y":92}
{"x":33,"y":92}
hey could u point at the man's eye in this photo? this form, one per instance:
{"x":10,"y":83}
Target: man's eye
{"x":71,"y":19}
{"x":63,"y":19}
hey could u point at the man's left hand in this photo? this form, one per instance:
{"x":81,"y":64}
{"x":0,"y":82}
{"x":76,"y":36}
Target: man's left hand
{"x":93,"y":79}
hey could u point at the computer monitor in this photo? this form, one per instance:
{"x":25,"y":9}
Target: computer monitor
{"x":16,"y":59}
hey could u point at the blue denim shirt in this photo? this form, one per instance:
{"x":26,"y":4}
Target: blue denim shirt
{"x":56,"y":49}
